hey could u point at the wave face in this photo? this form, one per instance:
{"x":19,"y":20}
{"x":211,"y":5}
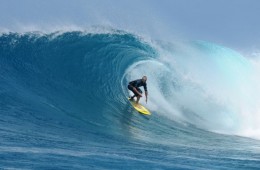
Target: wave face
{"x":63,"y":100}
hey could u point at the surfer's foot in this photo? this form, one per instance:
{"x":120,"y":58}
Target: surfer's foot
{"x":132,"y":98}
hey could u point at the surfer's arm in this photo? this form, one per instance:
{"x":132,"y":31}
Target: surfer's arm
{"x":146,"y":94}
{"x":137,"y":91}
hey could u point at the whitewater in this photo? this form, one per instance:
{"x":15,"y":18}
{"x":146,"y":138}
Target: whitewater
{"x":63,"y":103}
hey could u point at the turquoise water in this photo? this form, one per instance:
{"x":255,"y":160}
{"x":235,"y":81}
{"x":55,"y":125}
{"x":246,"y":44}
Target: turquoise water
{"x":63,"y":104}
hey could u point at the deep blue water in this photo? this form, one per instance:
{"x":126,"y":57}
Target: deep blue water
{"x":63,"y":105}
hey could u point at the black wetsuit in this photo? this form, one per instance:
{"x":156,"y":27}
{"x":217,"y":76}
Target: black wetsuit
{"x":136,"y":84}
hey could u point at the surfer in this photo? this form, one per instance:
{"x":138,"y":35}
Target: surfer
{"x":134,"y":87}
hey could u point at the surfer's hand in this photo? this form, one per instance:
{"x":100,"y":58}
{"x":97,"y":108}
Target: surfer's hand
{"x":140,"y":95}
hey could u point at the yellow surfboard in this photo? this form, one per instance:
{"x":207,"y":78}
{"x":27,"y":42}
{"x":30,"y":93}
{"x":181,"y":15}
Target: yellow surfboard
{"x":140,"y":108}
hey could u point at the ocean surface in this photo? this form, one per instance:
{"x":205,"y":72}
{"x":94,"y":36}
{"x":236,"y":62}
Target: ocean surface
{"x":63,"y":103}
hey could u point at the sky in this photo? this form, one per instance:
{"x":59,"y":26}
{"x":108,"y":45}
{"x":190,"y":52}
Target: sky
{"x":232,"y":23}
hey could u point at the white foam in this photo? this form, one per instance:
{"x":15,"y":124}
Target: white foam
{"x":218,"y":92}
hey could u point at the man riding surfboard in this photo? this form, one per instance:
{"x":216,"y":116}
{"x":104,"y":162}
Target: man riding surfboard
{"x":134,"y":87}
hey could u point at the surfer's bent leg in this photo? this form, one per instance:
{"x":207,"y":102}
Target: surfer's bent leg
{"x":131,"y":89}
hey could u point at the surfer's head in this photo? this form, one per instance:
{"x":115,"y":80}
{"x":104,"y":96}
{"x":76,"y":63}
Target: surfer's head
{"x":144,"y":78}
